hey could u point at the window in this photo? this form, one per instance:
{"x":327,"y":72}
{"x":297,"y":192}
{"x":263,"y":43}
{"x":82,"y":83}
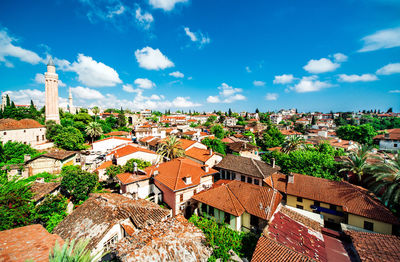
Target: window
{"x":243,"y":178}
{"x":24,"y":131}
{"x":211,"y":210}
{"x":194,"y":192}
{"x":42,"y":137}
{"x":368,"y":226}
{"x":317,"y":203}
{"x":37,"y":138}
{"x":253,"y":221}
{"x":203,"y":208}
{"x":181,"y":198}
{"x":394,"y":145}
{"x":332,"y":207}
{"x":299,"y":206}
{"x":249,"y":180}
{"x":5,"y":133}
{"x":299,"y":199}
{"x":256,"y":182}
{"x":233,"y":176}
{"x":227,"y":219}
{"x":109,"y":243}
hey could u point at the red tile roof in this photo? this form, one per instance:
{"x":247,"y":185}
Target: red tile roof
{"x":375,"y":247}
{"x":290,"y":132}
{"x":392,"y":134}
{"x":200,"y":154}
{"x":117,"y":133}
{"x":146,"y":138}
{"x":351,"y":198}
{"x":184,"y":143}
{"x":128,"y":178}
{"x":171,"y":173}
{"x":27,"y":243}
{"x":104,"y":165}
{"x":129,"y":149}
{"x":12,"y":124}
{"x":235,"y":197}
{"x":227,"y":140}
{"x":113,"y":137}
{"x":40,"y":190}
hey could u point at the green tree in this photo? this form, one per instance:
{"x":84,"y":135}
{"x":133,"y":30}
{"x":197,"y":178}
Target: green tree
{"x":362,"y":134}
{"x":16,"y":205}
{"x":94,"y":130}
{"x":74,"y":252}
{"x":140,"y":164}
{"x":95,"y":111}
{"x":171,"y":148}
{"x":218,"y":131}
{"x":83,"y":117}
{"x":121,"y":119}
{"x":69,"y":138}
{"x":52,"y":130}
{"x":215,"y":144}
{"x":271,"y":137}
{"x":292,"y":143}
{"x":78,"y":183}
{"x":113,"y":171}
{"x":51,"y":210}
{"x":14,"y":152}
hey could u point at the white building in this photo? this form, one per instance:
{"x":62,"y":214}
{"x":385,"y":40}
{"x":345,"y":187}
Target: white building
{"x":109,"y":143}
{"x":390,"y":140}
{"x":26,"y":131}
{"x":122,"y":154}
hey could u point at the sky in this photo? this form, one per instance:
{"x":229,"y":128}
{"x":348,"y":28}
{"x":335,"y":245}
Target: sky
{"x":205,"y":55}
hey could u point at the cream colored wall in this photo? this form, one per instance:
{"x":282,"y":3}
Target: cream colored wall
{"x":152,"y":158}
{"x":250,"y":154}
{"x":116,"y":229}
{"x":379,"y":227}
{"x":43,"y":164}
{"x":27,"y":136}
{"x":245,"y":222}
{"x":215,"y":159}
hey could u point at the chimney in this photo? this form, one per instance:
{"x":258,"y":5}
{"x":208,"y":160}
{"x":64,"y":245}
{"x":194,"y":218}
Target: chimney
{"x":211,"y":152}
{"x":206,"y":168}
{"x":187,"y":180}
{"x":135,"y":169}
{"x":245,"y":145}
{"x":290,"y":178}
{"x":155,"y":172}
{"x":27,"y":158}
{"x":273,"y":162}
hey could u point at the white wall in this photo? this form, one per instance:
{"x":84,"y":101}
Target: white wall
{"x":32,"y":136}
{"x":108,"y":144}
{"x":389,"y":144}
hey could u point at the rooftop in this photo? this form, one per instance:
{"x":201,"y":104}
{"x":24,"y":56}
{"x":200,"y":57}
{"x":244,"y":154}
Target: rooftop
{"x":241,"y":146}
{"x":40,"y":190}
{"x":200,"y":154}
{"x":129,"y":149}
{"x":12,"y":124}
{"x":391,"y":134}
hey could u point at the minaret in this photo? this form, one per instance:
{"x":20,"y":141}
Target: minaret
{"x":51,"y":83}
{"x":70,"y":104}
{"x":3,"y":100}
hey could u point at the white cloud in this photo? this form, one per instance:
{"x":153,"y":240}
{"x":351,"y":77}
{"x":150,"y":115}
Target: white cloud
{"x":129,"y":88}
{"x":144,"y":83}
{"x":389,"y":69}
{"x":248,"y":70}
{"x":183,"y":102}
{"x":258,"y":83}
{"x":322,"y":65}
{"x":283,"y":79}
{"x":86,"y":93}
{"x":310,"y":84}
{"x":395,"y":91}
{"x":357,"y":78}
{"x":213,"y":99}
{"x":271,"y":96}
{"x":382,"y":39}
{"x":152,"y":59}
{"x":90,"y":72}
{"x":198,"y":37}
{"x":144,"y":19}
{"x":8,"y":49}
{"x":61,"y":83}
{"x":120,"y":10}
{"x":24,"y":96}
{"x":166,"y":5}
{"x":339,"y":57}
{"x":39,"y":78}
{"x":177,"y":74}
{"x":228,"y":94}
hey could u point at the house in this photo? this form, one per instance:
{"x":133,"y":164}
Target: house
{"x":290,"y":133}
{"x":184,"y":144}
{"x":337,"y":202}
{"x":180,"y":179}
{"x":26,"y":131}
{"x":101,"y":170}
{"x":244,"y":169}
{"x":375,"y":247}
{"x":148,"y":130}
{"x":230,"y":121}
{"x":240,"y":205}
{"x":276,"y":118}
{"x":109,"y":143}
{"x":139,"y":185}
{"x":174,"y":239}
{"x":291,"y":236}
{"x":244,"y":149}
{"x":51,"y":162}
{"x":390,"y":140}
{"x":28,"y":243}
{"x":118,"y":133}
{"x":107,"y":218}
{"x":203,"y":156}
{"x":122,"y":154}
{"x":41,"y":189}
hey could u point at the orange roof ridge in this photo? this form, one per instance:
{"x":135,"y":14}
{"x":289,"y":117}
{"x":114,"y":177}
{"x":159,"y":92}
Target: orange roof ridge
{"x":179,"y":171}
{"x":230,"y":193}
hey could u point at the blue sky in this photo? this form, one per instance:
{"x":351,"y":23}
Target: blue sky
{"x":205,"y":55}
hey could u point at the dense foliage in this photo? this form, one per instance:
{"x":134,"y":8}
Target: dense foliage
{"x":14,"y":152}
{"x":215,"y":144}
{"x":69,"y":138}
{"x":362,"y":134}
{"x":222,"y":239}
{"x":51,"y":211}
{"x":129,"y":166}
{"x":271,"y":137}
{"x":78,"y":184}
{"x":218,"y":131}
{"x":18,"y":113}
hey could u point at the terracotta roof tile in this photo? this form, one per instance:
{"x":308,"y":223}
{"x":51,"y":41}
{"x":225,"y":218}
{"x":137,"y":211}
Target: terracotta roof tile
{"x":12,"y":124}
{"x":200,"y":154}
{"x":129,"y":149}
{"x":128,"y":178}
{"x":241,"y":146}
{"x":391,"y":134}
{"x":40,"y":190}
{"x":113,"y":137}
{"x":117,"y":133}
{"x":104,"y":165}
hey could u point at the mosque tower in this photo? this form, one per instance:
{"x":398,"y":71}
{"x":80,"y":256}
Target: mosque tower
{"x":51,"y":84}
{"x":70,"y":103}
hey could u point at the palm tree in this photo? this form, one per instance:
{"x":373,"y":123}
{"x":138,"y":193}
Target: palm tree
{"x":292,"y":143}
{"x":95,"y":111}
{"x":170,"y":148}
{"x":74,"y":252}
{"x":387,"y":180}
{"x":94,"y":130}
{"x":356,"y":162}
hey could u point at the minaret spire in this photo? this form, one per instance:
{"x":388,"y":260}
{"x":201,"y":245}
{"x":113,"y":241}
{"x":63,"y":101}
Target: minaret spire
{"x":51,"y":85}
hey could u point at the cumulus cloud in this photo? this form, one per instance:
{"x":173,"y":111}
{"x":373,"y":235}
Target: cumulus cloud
{"x":144,"y":19}
{"x":322,"y":65}
{"x":119,"y":11}
{"x":283,"y":79}
{"x":24,"y":96}
{"x":39,"y":78}
{"x":339,"y":57}
{"x":129,"y":88}
{"x":271,"y":96}
{"x":166,"y":5}
{"x":389,"y":69}
{"x":177,"y":74}
{"x":357,"y":78}
{"x":382,"y":39}
{"x":144,"y":83}
{"x":90,"y":72}
{"x":248,"y":70}
{"x":227,"y":94}
{"x":310,"y":84}
{"x":152,"y":59}
{"x":258,"y":83}
{"x":8,"y":49}
{"x":86,"y":93}
{"x":197,"y":37}
{"x":397,"y":91}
